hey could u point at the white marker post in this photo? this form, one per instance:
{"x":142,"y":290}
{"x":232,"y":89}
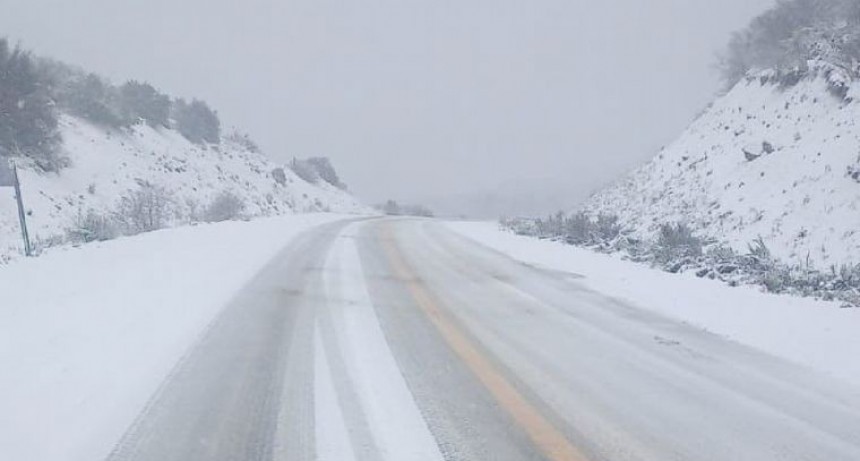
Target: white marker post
{"x":9,"y":178}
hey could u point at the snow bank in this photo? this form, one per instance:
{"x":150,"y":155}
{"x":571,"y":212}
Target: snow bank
{"x":813,"y":333}
{"x":87,"y":334}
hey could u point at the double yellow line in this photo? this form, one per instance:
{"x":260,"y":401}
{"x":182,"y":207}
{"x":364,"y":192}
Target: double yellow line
{"x":546,"y":437}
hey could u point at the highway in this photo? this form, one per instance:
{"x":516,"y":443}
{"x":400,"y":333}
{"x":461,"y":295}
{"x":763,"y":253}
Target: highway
{"x":398,"y":340}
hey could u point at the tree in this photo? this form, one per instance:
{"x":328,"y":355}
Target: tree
{"x":28,"y":124}
{"x":793,"y":32}
{"x":141,"y":101}
{"x":93,"y":99}
{"x":197,"y":121}
{"x":326,"y":171}
{"x":315,"y":168}
{"x":304,"y":170}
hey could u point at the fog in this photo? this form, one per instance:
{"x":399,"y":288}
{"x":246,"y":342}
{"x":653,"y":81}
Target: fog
{"x":480,"y":107}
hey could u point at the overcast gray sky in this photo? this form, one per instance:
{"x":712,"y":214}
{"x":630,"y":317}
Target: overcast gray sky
{"x":414,"y":98}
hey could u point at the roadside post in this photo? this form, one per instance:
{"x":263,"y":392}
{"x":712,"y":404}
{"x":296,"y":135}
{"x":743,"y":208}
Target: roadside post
{"x":9,"y":178}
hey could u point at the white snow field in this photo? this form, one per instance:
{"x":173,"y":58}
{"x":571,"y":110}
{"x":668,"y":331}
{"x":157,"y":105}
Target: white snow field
{"x":107,"y":164}
{"x":780,"y":163}
{"x":816,"y":334}
{"x":88,"y":334}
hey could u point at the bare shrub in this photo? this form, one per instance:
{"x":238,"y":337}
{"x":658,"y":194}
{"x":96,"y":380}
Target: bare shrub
{"x":552,"y":227}
{"x":578,"y":228}
{"x":227,"y":206}
{"x":92,"y":227}
{"x":519,"y":226}
{"x":606,"y":227}
{"x":143,"y":210}
{"x":759,"y":255}
{"x":676,"y":245}
{"x":41,"y":243}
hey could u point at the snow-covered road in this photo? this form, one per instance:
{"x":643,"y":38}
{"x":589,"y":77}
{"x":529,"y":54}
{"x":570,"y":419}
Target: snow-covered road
{"x":400,"y":340}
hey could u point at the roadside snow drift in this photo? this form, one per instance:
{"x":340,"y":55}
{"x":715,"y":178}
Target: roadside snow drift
{"x":816,"y":334}
{"x":87,"y":334}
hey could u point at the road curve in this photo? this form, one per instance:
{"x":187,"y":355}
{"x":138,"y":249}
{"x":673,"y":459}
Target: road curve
{"x":397,"y":340}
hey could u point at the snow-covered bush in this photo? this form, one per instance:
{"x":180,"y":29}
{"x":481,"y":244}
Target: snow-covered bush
{"x":578,"y":229}
{"x":227,"y":206}
{"x":676,"y":245}
{"x":519,"y":226}
{"x":676,"y":248}
{"x":280,"y":176}
{"x":853,"y":172}
{"x":145,"y":209}
{"x":606,"y":227}
{"x":92,"y":227}
{"x":795,"y":38}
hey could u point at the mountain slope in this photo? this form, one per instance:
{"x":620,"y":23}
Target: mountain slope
{"x":780,"y":162}
{"x":107,"y":164}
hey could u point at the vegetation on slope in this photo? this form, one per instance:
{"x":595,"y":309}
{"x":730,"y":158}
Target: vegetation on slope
{"x":795,"y":36}
{"x":34,"y":91}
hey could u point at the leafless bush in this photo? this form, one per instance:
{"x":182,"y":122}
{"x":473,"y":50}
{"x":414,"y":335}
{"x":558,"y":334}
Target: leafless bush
{"x":578,"y":229}
{"x":92,"y":227}
{"x":40,"y":243}
{"x":145,"y":209}
{"x":520,"y":226}
{"x":607,"y":227}
{"x":676,"y":245}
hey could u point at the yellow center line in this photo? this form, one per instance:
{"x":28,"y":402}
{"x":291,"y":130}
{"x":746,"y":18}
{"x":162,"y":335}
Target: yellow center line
{"x":548,"y":439}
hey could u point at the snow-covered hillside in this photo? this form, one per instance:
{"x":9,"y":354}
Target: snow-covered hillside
{"x":778,"y":162}
{"x":107,"y":164}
